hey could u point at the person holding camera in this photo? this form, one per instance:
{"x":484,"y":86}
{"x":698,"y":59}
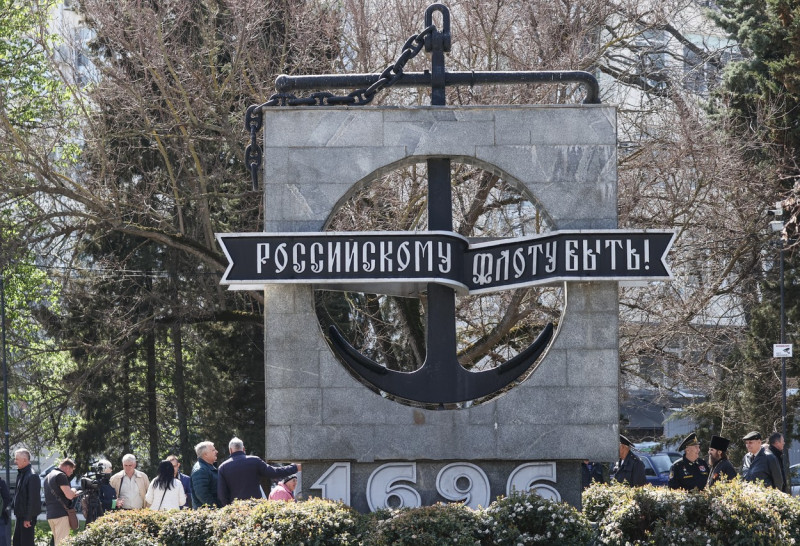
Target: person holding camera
{"x":97,"y":496}
{"x":58,"y":497}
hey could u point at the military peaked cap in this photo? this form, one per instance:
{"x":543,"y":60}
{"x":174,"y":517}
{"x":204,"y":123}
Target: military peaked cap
{"x":690,"y":440}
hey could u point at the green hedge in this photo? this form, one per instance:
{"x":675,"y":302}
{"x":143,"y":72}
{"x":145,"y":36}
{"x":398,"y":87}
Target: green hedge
{"x":732,"y":513}
{"x":735,"y":513}
{"x":521,"y":519}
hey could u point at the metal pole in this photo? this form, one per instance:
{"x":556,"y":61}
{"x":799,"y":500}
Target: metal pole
{"x":5,"y":376}
{"x":783,"y":366}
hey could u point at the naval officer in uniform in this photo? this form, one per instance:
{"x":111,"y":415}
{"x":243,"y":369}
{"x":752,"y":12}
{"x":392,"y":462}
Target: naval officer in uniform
{"x":629,"y":469}
{"x":689,"y":472}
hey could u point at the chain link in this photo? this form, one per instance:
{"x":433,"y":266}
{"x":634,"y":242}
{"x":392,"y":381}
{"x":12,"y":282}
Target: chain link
{"x":254,"y":117}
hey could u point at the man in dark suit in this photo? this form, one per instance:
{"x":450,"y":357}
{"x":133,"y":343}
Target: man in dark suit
{"x":776,"y":444}
{"x":591,"y":472}
{"x":629,"y":468}
{"x":240,"y":476}
{"x":759,"y":464}
{"x":185,"y":480}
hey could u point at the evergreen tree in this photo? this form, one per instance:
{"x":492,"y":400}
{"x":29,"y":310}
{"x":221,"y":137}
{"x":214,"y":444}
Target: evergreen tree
{"x":759,"y":101}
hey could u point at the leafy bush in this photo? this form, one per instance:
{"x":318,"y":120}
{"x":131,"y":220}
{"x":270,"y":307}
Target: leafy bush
{"x":527,"y":518}
{"x":427,"y":526}
{"x":733,"y":513}
{"x":314,"y":522}
{"x":122,"y":527}
{"x":189,"y":528}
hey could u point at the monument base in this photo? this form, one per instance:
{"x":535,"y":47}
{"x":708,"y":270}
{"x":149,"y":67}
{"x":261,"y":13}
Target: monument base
{"x":373,"y":486}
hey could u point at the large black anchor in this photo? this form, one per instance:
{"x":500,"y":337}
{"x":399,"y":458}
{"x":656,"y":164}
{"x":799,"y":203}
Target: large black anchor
{"x":441,"y":379}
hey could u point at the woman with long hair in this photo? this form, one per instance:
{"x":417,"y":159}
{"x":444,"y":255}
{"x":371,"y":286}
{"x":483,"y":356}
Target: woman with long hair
{"x":165,"y":492}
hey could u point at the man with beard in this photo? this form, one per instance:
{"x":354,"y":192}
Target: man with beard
{"x":721,"y":467}
{"x":629,"y":469}
{"x":690,"y":472}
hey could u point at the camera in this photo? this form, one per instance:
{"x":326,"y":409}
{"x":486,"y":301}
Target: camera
{"x":96,"y":492}
{"x":95,"y":477}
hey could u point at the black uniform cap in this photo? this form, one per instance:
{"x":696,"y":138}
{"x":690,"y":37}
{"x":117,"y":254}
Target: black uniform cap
{"x":690,"y":440}
{"x":719,"y":443}
{"x":624,"y":441}
{"x":752,"y":436}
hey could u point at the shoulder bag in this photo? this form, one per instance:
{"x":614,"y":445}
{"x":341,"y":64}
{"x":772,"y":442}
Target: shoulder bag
{"x":72,"y":514}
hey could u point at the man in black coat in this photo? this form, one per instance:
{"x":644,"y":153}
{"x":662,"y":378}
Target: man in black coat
{"x":629,"y":468}
{"x":759,"y":465}
{"x":690,"y":472}
{"x":721,"y":467}
{"x":5,"y":518}
{"x":776,"y":444}
{"x":240,"y":476}
{"x":591,"y":472}
{"x":27,"y":499}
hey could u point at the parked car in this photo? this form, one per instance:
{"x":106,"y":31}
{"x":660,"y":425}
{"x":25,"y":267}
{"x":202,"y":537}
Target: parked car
{"x":794,"y":476}
{"x":673,"y":455}
{"x":656,"y":468}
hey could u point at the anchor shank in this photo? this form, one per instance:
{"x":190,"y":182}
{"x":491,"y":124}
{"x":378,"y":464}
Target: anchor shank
{"x":441,"y":337}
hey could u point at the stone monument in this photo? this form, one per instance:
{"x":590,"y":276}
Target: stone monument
{"x":370,"y":450}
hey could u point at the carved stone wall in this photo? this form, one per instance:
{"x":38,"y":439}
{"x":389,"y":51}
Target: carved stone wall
{"x":567,"y":411}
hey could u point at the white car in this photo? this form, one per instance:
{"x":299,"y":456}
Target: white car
{"x":794,"y":478}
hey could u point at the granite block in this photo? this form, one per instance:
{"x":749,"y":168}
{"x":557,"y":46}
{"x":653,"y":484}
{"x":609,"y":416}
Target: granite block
{"x":300,"y":127}
{"x":551,"y":371}
{"x":333,"y":443}
{"x":293,"y":406}
{"x":439,"y":113}
{"x":593,"y":368}
{"x":353,"y":406}
{"x":278,"y":440}
{"x":450,"y":138}
{"x":319,"y":166}
{"x":590,"y":331}
{"x":598,"y":442}
{"x":292,"y":368}
{"x":335,"y":375}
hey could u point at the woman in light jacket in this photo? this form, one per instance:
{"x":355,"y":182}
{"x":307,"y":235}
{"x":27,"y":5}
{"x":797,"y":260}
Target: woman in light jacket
{"x":165,"y":492}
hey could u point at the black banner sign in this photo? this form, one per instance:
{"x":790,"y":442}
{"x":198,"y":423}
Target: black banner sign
{"x":384,"y":258}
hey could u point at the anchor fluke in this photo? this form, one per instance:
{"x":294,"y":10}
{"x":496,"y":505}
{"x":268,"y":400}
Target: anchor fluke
{"x":440,"y":380}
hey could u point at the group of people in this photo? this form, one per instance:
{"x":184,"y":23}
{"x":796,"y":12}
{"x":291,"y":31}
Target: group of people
{"x":238,"y":477}
{"x":762,"y":463}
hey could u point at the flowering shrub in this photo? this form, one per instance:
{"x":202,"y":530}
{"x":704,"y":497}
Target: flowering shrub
{"x":733,"y":513}
{"x":123,"y":527}
{"x":314,"y":522}
{"x":189,"y":528}
{"x":530,"y":519}
{"x":426,"y":526}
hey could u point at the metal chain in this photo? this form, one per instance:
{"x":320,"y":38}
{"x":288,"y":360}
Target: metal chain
{"x":254,"y":117}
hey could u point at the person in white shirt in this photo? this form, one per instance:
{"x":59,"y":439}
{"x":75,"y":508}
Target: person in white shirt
{"x":129,"y":484}
{"x":165,"y":491}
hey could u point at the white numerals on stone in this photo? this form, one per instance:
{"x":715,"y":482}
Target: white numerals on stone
{"x":335,"y":483}
{"x":464,"y":482}
{"x":384,"y":491}
{"x":525,"y":477}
